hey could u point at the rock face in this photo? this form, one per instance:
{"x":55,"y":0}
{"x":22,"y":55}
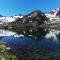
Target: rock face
{"x":55,"y":12}
{"x":32,"y":19}
{"x":54,"y":15}
{"x":58,"y":13}
{"x":35,"y":16}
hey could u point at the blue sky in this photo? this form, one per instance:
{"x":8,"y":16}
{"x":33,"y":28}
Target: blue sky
{"x":12,"y":7}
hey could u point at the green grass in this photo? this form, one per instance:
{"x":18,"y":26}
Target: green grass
{"x":5,"y":54}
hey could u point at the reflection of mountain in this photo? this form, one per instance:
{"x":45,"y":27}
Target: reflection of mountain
{"x":34,"y":33}
{"x":58,"y":36}
{"x":38,"y":33}
{"x":6,"y":33}
{"x":53,"y":35}
{"x":35,"y":42}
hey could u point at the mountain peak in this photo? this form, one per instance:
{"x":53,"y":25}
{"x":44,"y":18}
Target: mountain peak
{"x":56,"y":9}
{"x":18,"y":15}
{"x":55,"y":12}
{"x":37,"y":11}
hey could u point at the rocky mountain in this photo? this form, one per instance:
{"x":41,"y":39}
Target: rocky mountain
{"x":54,"y":16}
{"x":34,"y":18}
{"x":58,"y":13}
{"x":55,"y":12}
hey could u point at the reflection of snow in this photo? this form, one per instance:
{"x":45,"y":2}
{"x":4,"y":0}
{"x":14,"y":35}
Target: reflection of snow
{"x":16,"y":35}
{"x":30,"y":35}
{"x":52,"y":35}
{"x":6,"y":33}
{"x":9,"y":33}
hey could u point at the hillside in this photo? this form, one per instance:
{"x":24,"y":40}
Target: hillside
{"x":35,"y":18}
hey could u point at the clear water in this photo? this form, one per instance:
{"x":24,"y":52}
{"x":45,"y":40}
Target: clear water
{"x":33,"y":44}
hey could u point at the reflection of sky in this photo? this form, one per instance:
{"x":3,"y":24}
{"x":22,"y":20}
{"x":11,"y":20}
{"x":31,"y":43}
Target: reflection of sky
{"x":28,"y":42}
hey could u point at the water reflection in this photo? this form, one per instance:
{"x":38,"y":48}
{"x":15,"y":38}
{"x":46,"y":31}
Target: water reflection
{"x":33,"y":43}
{"x":33,"y":33}
{"x":38,"y":33}
{"x":6,"y":33}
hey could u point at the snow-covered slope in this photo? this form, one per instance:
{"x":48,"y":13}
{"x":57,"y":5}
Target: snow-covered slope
{"x":54,"y":15}
{"x":9,"y":19}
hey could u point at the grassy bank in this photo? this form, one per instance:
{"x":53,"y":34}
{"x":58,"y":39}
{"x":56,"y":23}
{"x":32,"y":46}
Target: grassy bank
{"x":6,"y":54}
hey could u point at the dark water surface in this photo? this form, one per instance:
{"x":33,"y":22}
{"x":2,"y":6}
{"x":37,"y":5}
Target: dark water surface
{"x":33,"y":44}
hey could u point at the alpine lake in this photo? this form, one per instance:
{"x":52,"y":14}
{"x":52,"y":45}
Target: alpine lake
{"x":30,"y":44}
